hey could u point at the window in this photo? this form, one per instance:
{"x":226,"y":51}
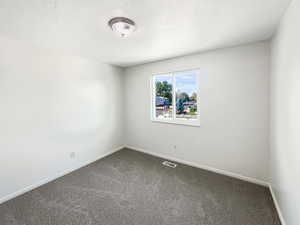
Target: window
{"x":175,"y":98}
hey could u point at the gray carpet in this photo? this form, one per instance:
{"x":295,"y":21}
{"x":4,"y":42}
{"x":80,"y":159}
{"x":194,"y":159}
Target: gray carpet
{"x":129,"y":187}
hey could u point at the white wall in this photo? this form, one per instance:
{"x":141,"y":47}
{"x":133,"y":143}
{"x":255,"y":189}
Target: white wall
{"x":51,"y":105}
{"x":234,"y":132}
{"x":285,"y":115}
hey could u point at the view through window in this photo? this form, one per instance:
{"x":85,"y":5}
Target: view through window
{"x":164,"y":96}
{"x":176,"y":97}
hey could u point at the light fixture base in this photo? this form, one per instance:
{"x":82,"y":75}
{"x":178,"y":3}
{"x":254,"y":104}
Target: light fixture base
{"x":122,"y":26}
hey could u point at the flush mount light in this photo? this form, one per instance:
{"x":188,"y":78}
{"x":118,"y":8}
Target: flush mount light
{"x":122,"y":26}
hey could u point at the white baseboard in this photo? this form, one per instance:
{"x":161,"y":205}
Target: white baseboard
{"x":205,"y":167}
{"x":49,"y":179}
{"x":277,"y":206}
{"x":219,"y":171}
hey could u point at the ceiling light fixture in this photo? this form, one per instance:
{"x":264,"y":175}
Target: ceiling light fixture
{"x":122,"y":26}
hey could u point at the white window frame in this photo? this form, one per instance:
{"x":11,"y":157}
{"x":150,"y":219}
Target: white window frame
{"x":174,"y":120}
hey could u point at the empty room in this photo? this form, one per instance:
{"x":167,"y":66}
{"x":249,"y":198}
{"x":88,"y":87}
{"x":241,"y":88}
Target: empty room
{"x":149,"y":112}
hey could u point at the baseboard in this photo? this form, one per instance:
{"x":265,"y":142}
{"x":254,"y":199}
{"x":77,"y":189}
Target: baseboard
{"x":205,"y":167}
{"x":277,"y":206}
{"x":49,"y":179}
{"x":219,"y":171}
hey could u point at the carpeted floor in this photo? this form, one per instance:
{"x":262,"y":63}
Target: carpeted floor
{"x":129,"y":187}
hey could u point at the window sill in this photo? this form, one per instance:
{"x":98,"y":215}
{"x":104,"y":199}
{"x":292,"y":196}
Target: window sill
{"x":193,"y":123}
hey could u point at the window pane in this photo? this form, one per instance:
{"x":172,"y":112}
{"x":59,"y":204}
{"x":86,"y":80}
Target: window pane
{"x":186,"y":95}
{"x":163,"y":96}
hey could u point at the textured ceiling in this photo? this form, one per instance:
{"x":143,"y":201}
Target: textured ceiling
{"x":166,"y":28}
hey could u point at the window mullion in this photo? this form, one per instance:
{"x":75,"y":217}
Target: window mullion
{"x":153,"y":111}
{"x":174,"y":97}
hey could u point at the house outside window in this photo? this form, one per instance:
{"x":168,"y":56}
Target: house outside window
{"x":175,"y":98}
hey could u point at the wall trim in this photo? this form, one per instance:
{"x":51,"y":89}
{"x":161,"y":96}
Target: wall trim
{"x":277,"y":206}
{"x":219,"y":171}
{"x":51,"y":178}
{"x":205,"y":167}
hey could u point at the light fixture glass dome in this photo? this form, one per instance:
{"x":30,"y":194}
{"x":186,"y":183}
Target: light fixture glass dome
{"x":122,"y":26}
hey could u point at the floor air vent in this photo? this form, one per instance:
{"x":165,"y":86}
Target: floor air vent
{"x":169,"y":164}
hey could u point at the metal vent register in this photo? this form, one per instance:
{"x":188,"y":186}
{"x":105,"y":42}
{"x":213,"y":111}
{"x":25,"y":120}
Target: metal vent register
{"x":169,"y":164}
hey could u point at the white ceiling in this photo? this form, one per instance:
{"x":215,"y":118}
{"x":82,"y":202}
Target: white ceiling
{"x":166,"y":28}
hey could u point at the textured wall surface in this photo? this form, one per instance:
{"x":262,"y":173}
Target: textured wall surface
{"x":52,"y":105}
{"x":234,"y":109}
{"x":285,"y":111}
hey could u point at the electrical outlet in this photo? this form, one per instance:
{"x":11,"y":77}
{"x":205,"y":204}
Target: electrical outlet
{"x":72,"y":155}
